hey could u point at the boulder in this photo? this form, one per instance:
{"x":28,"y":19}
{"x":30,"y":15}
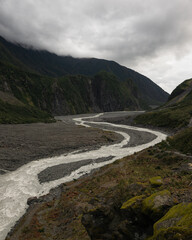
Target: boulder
{"x":156,"y":205}
{"x":175,"y":224}
{"x":133,"y":203}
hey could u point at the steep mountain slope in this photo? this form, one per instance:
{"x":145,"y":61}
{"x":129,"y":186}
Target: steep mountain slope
{"x":176,"y":113}
{"x":27,"y":96}
{"x":50,"y":64}
{"x":181,"y":94}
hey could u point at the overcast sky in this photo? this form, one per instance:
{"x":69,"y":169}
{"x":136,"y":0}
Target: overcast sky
{"x":153,"y":37}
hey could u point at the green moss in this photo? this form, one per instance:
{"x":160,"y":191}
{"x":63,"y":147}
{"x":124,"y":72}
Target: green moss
{"x":133,"y":202}
{"x":173,"y":233}
{"x":176,"y":223}
{"x":156,"y":181}
{"x":155,"y":204}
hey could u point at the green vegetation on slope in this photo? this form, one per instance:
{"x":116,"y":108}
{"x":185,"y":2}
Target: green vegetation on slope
{"x":182,"y":141}
{"x":109,"y":91}
{"x":176,"y":113}
{"x":180,"y":89}
{"x":20,"y":94}
{"x":22,"y":114}
{"x":45,"y":81}
{"x":60,"y":96}
{"x":174,"y":117}
{"x":49,"y":64}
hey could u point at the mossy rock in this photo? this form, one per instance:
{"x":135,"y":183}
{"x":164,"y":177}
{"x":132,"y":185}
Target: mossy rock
{"x":156,"y":181}
{"x":131,"y":210}
{"x":157,"y":204}
{"x":133,"y":203}
{"x":176,"y":224}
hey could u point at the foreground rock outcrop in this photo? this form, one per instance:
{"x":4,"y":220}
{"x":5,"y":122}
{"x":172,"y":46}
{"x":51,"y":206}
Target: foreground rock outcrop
{"x":176,"y":224}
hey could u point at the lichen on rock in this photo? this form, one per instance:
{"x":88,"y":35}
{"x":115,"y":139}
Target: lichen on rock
{"x":156,"y":181}
{"x":132,"y":203}
{"x":157,"y":204}
{"x":176,"y":224}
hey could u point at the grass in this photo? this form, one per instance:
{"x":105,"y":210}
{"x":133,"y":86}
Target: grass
{"x":182,"y":141}
{"x":13,"y":114}
{"x":172,"y":118}
{"x":176,"y":116}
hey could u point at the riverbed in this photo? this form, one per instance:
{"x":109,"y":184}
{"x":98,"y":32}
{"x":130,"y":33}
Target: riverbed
{"x":25,"y":182}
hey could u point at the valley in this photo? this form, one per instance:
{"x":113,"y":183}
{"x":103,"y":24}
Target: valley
{"x":126,"y":199}
{"x":23,"y":183}
{"x":85,"y":155}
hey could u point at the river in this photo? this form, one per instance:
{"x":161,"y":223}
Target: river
{"x":17,"y":186}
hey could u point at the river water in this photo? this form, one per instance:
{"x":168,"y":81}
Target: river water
{"x":17,"y":186}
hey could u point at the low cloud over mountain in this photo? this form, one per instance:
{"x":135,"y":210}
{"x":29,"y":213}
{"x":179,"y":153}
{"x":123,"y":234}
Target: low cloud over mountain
{"x":153,"y":37}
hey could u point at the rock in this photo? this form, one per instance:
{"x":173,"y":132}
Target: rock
{"x":156,"y":181}
{"x":176,"y":224}
{"x":156,"y":205}
{"x":96,"y":221}
{"x":132,"y":210}
{"x":32,"y":200}
{"x":133,"y":203}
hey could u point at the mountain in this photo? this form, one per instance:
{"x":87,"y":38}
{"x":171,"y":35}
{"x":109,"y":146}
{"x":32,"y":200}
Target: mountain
{"x":37,"y":84}
{"x":50,"y":64}
{"x":176,"y":113}
{"x":29,"y":97}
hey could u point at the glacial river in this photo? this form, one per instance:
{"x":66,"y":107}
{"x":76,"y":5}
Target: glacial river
{"x":17,"y":186}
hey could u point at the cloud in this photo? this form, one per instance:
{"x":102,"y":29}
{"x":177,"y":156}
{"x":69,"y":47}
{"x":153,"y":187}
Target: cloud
{"x":130,"y":32}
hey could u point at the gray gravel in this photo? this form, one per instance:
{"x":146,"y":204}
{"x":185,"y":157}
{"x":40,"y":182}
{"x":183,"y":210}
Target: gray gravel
{"x":62,"y":170}
{"x":20,"y":144}
{"x":136,"y":138}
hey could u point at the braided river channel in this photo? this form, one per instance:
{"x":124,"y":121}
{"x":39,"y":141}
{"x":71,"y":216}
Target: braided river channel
{"x":28,"y":181}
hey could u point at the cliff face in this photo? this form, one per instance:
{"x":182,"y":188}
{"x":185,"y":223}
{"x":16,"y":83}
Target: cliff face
{"x":72,"y":94}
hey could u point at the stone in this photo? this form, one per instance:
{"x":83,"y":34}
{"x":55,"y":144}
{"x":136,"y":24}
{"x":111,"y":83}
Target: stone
{"x":156,"y":181}
{"x":175,"y":224}
{"x":157,"y":204}
{"x":133,"y":203}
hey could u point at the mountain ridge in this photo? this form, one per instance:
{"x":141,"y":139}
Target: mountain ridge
{"x":50,"y":64}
